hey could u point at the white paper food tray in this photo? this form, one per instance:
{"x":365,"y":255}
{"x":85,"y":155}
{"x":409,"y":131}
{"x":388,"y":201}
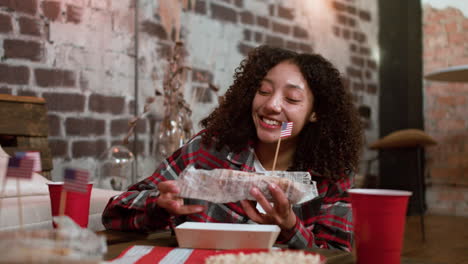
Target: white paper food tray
{"x":226,"y":236}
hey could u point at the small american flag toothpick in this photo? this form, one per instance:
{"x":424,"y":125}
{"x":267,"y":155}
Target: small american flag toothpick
{"x":20,"y":167}
{"x":286,"y":129}
{"x":76,"y":180}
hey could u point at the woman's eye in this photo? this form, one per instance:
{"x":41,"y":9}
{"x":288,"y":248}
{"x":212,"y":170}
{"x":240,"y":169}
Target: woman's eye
{"x":292,"y":100}
{"x":262,"y":92}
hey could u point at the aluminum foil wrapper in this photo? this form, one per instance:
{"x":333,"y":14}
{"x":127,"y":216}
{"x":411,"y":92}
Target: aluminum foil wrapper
{"x":67,"y":244}
{"x":225,"y":186}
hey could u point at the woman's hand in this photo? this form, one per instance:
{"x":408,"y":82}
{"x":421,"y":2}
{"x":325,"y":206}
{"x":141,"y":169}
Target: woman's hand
{"x":280,"y":213}
{"x":169,"y":199}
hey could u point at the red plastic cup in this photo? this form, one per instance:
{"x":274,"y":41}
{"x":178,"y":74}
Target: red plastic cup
{"x":379,"y":224}
{"x":76,"y":205}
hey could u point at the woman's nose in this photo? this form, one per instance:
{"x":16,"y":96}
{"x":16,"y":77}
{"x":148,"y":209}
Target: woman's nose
{"x":273,"y":104}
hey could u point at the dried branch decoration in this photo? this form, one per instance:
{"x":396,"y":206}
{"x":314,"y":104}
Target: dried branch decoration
{"x":169,"y":11}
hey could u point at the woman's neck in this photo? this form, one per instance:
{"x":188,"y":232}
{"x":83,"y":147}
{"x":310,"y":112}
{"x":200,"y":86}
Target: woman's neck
{"x":266,"y":154}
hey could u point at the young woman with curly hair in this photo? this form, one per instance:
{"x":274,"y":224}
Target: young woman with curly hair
{"x":271,"y":86}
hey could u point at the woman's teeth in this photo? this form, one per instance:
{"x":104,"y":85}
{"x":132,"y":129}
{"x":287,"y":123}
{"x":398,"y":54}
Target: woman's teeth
{"x":271,"y":122}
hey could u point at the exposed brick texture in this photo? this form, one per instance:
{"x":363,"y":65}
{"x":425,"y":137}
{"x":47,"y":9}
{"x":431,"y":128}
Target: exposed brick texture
{"x":262,"y":21}
{"x":27,"y":93}
{"x":274,"y":41}
{"x":120,"y":127}
{"x":5,"y":23}
{"x":51,"y":9}
{"x":364,"y":15}
{"x":239,"y":3}
{"x":200,"y":7}
{"x":85,"y":148}
{"x":223,"y":13}
{"x":54,"y":125}
{"x":291,"y":45}
{"x":59,"y":148}
{"x":22,"y":6}
{"x":22,"y":49}
{"x":29,"y":26}
{"x":305,"y":48}
{"x":339,"y":6}
{"x":445,"y":112}
{"x":106,"y":104}
{"x":54,"y":78}
{"x":285,"y":13}
{"x":64,"y":102}
{"x":299,"y":32}
{"x":74,"y":14}
{"x":281,"y":28}
{"x":258,"y":37}
{"x":14,"y":74}
{"x":5,"y":90}
{"x":244,"y":48}
{"x":247,"y":35}
{"x":84,"y":127}
{"x":247,"y":17}
{"x":140,"y":146}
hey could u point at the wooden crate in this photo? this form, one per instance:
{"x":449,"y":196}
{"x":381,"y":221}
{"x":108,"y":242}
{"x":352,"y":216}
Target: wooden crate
{"x":24,"y":127}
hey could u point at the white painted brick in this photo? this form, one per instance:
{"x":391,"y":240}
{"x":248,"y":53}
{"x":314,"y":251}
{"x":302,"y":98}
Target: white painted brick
{"x":108,"y":83}
{"x":119,"y":64}
{"x":120,"y":43}
{"x":69,"y":33}
{"x":123,"y":22}
{"x":80,"y":3}
{"x":122,"y":5}
{"x":100,"y":4}
{"x":98,"y":20}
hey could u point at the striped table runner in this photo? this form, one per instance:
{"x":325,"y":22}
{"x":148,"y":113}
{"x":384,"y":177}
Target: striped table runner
{"x":169,"y":255}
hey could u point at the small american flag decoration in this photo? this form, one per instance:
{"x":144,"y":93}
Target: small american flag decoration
{"x":20,"y":167}
{"x":286,"y":129}
{"x":34,"y":155}
{"x":76,"y":180}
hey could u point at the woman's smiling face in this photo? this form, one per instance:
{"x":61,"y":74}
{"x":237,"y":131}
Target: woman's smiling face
{"x":283,"y":96}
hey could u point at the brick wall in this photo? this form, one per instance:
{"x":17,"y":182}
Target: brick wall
{"x":79,"y":55}
{"x":446,"y":111}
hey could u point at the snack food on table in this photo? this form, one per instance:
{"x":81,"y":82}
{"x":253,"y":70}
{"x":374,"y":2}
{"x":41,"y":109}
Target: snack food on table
{"x":68,"y":244}
{"x":224,"y":186}
{"x":271,"y":257}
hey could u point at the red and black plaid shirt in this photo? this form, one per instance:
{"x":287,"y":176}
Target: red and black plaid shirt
{"x":324,"y":222}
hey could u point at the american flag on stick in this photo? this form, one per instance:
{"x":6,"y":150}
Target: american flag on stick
{"x":20,"y":167}
{"x":76,"y":180}
{"x":286,"y":129}
{"x":34,"y":155}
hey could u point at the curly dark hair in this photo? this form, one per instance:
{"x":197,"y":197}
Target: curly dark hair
{"x":329,"y":146}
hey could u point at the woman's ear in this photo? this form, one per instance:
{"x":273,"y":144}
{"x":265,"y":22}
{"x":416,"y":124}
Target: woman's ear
{"x":313,"y":117}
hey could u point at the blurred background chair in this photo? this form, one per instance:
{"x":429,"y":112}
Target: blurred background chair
{"x":399,"y":143}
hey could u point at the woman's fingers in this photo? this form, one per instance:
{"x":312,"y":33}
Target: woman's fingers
{"x":252,"y":212}
{"x":282,"y":205}
{"x":176,"y":206}
{"x":169,"y":200}
{"x":181,"y":209}
{"x":168,"y":187}
{"x":280,"y":213}
{"x":255,"y":192}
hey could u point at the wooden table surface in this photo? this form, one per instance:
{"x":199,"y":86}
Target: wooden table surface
{"x":119,"y":241}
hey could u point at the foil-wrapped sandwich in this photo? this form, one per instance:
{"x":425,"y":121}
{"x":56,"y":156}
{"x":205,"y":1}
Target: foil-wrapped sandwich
{"x":225,"y":186}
